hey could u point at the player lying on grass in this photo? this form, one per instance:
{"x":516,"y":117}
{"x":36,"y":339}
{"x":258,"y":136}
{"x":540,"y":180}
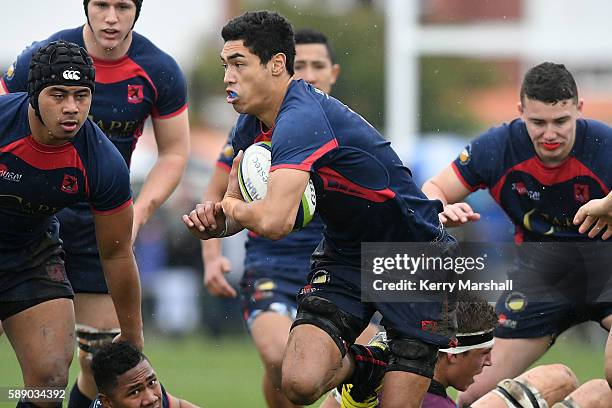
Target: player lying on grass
{"x":125,"y":379}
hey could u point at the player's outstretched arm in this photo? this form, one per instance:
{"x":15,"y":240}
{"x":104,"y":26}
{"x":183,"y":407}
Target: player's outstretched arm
{"x":272,"y":217}
{"x":596,"y":217}
{"x":113,"y":233}
{"x":446,"y":187}
{"x":215,"y":264}
{"x":172,"y":138}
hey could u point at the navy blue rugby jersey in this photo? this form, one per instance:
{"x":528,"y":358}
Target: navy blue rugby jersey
{"x":36,"y":180}
{"x":364,"y":192}
{"x":290,"y":253}
{"x":145,"y":82}
{"x":541,"y":201}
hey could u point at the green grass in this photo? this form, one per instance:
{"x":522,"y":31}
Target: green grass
{"x":222,"y":372}
{"x":226,"y":372}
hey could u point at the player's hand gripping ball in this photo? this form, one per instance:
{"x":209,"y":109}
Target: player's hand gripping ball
{"x":253,"y":173}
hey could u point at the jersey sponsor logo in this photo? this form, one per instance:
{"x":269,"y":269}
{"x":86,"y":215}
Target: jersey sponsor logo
{"x":135,"y":93}
{"x":10,"y":72}
{"x":581,"y":193}
{"x":503,"y":321}
{"x":535,"y":224}
{"x":9,"y":175}
{"x":307,"y":289}
{"x":320,"y":277}
{"x":69,"y":184}
{"x":71,"y":75}
{"x":264,"y":284}
{"x":429,"y":326}
{"x":516,"y":302}
{"x":115,"y":127}
{"x":465,"y":155}
{"x":228,"y":151}
{"x":264,"y":288}
{"x":56,"y":272}
{"x":522,"y":190}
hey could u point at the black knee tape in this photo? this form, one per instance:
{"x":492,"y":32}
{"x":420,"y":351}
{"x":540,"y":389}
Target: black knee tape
{"x":566,"y":403}
{"x":413,"y":356}
{"x":532,"y":398}
{"x":508,"y":399}
{"x":91,"y":342}
{"x":520,"y":393}
{"x":342,"y":327}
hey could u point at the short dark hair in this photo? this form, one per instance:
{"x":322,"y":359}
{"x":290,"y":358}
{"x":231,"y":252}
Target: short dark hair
{"x":113,"y":360}
{"x":549,"y":83}
{"x":265,"y":33}
{"x":137,"y":3}
{"x":474,"y":313}
{"x":310,"y":36}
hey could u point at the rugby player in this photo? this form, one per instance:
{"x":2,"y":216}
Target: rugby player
{"x":540,"y":168}
{"x":364,"y":194}
{"x":456,"y":366}
{"x":126,"y":379}
{"x":274,"y":270}
{"x":135,"y":80}
{"x":541,"y":386}
{"x":593,"y":218}
{"x":51,"y":157}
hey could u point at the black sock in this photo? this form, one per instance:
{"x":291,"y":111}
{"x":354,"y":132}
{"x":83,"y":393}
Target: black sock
{"x":368,"y":361}
{"x":77,"y":399}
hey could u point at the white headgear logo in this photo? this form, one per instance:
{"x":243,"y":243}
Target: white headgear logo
{"x":73,"y":75}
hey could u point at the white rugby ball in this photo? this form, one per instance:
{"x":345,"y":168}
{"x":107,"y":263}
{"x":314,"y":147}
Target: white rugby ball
{"x":253,"y":172}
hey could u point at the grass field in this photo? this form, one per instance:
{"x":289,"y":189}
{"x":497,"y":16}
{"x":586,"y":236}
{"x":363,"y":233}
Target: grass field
{"x":226,"y":372}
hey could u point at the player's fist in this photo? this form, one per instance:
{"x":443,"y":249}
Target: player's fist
{"x":206,"y":220}
{"x":136,"y":338}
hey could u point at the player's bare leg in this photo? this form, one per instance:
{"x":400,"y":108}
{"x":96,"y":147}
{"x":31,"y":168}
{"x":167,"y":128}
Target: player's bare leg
{"x":312,"y":365}
{"x":404,"y":390}
{"x":270,"y":332}
{"x":608,"y":362}
{"x":592,"y":394}
{"x":45,"y":353}
{"x":510,"y":357}
{"x":607,"y":323}
{"x":550,"y":383}
{"x":364,"y":338}
{"x":97,"y":311}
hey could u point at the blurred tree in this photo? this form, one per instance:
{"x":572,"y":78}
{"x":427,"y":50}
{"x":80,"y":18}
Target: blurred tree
{"x":445,"y":82}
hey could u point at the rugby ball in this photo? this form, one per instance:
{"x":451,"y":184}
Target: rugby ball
{"x":253,"y":172}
